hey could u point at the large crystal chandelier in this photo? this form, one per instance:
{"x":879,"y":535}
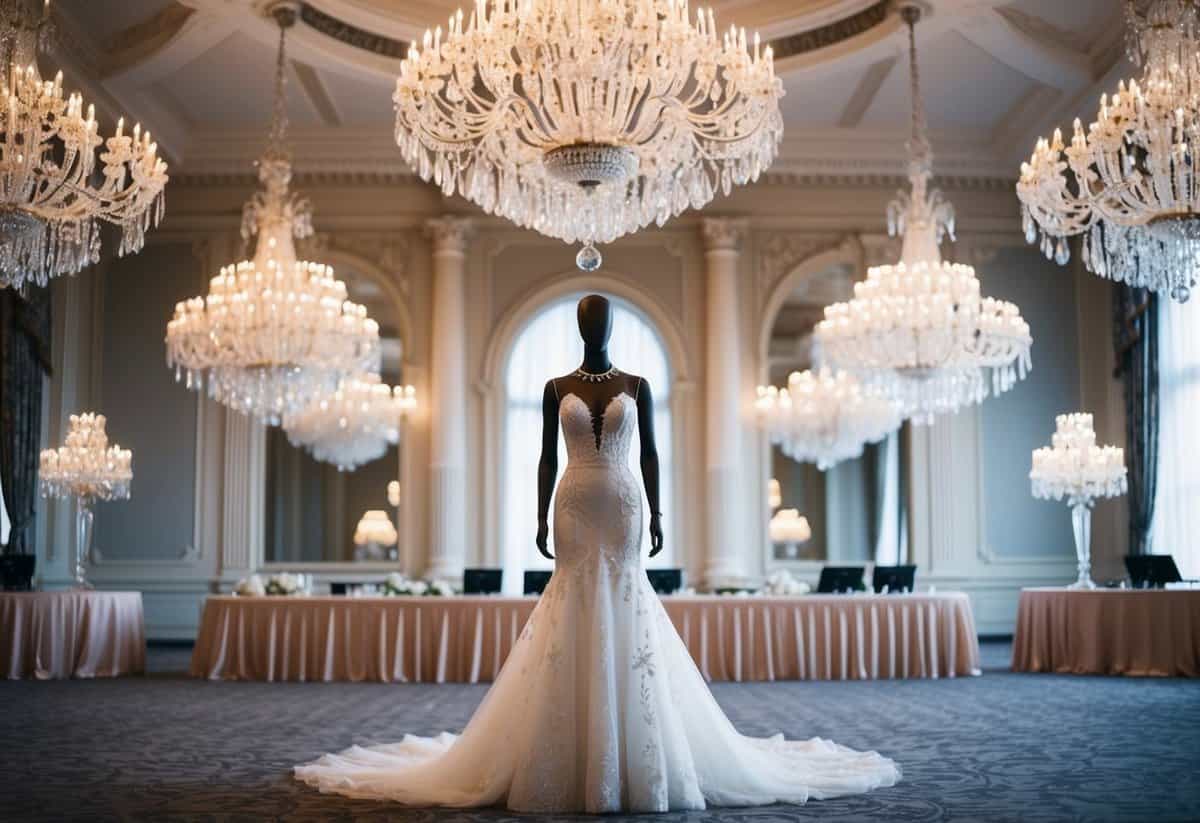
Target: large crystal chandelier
{"x":824,"y":418}
{"x":274,"y":333}
{"x":1131,"y":181}
{"x":920,"y":330}
{"x":587,"y":119}
{"x":54,"y":196}
{"x":353,"y":425}
{"x":87,"y":469}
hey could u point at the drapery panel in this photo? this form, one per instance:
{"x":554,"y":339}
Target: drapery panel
{"x":24,"y":362}
{"x":1136,"y":342}
{"x":1177,"y":502}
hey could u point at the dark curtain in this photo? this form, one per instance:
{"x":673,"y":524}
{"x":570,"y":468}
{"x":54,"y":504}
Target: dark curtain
{"x":25,"y":352}
{"x":1136,"y":341}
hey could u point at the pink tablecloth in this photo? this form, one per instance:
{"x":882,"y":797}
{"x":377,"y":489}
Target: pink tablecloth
{"x":466,"y":639}
{"x":71,"y":634}
{"x":1108,"y":631}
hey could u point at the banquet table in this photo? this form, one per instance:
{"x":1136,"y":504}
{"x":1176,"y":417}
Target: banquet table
{"x":467,"y":638}
{"x":62,"y":634}
{"x":1140,"y":632}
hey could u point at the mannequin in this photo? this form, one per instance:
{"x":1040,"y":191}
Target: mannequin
{"x":596,"y":383}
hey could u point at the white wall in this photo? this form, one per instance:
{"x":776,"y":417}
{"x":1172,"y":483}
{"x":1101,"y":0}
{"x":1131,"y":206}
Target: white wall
{"x":109,"y":325}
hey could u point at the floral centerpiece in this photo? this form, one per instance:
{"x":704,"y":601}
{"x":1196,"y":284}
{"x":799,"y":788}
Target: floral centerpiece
{"x":284,"y":584}
{"x":397,"y":585}
{"x":251,"y":586}
{"x":781,"y":583}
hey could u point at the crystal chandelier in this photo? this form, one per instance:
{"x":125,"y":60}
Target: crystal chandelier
{"x":587,"y":119}
{"x":1133,"y":184}
{"x":53,"y":193}
{"x":274,"y":333}
{"x":920,"y":330}
{"x":87,"y":469}
{"x":353,"y":425}
{"x":1076,"y":469}
{"x":824,"y":418}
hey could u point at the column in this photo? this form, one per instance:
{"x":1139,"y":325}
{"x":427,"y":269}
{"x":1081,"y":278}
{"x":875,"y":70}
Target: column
{"x":727,"y":536}
{"x":448,"y":399}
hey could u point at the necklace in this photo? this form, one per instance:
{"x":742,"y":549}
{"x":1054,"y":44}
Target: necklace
{"x":589,"y":377}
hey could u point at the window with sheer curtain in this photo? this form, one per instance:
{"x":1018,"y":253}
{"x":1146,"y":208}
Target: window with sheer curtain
{"x":1176,"y":523}
{"x":550,"y":346}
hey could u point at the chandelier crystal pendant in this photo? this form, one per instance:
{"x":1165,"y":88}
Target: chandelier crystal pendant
{"x":1074,"y":468}
{"x":274,"y":333}
{"x":920,"y":330}
{"x":1131,"y":182}
{"x":56,"y":189}
{"x":87,"y":469}
{"x":353,"y":425}
{"x":824,"y":418}
{"x":587,"y":119}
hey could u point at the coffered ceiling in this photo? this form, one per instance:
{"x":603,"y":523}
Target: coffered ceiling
{"x":996,"y":74}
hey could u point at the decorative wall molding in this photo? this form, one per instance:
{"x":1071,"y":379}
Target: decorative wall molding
{"x":778,"y":254}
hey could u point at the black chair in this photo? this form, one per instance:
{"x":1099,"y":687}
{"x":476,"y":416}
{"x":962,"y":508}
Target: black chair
{"x":893,"y":578}
{"x":482,"y":581}
{"x":1152,"y":571}
{"x":840,"y":579}
{"x":665,"y":581}
{"x":535,"y":582}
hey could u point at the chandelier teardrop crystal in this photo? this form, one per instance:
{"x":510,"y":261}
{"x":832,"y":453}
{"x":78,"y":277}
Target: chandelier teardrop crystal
{"x":920,"y":330}
{"x":274,"y":333}
{"x":54,"y":195}
{"x":587,"y":119}
{"x":1131,"y":182}
{"x":353,"y":425}
{"x":824,"y":418}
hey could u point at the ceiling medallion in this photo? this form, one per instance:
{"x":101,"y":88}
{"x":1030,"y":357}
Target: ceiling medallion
{"x":586,"y":120}
{"x":1130,"y":182}
{"x":54,"y":196}
{"x":274,"y":333}
{"x":920,"y":330}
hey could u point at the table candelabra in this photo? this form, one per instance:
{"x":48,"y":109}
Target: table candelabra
{"x":1075,"y":469}
{"x":87,"y":469}
{"x":789,"y":528}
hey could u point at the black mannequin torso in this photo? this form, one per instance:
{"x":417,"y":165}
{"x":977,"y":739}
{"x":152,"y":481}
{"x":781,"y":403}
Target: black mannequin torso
{"x":597,"y":383}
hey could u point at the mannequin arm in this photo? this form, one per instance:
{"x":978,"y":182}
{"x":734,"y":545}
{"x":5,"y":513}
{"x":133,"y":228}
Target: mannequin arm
{"x":649,"y":461}
{"x":547,"y":465}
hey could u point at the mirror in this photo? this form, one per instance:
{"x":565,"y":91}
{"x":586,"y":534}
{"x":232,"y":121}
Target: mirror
{"x":311,"y":508}
{"x":855,"y":512}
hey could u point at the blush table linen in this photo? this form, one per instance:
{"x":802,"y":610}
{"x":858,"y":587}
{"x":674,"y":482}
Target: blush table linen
{"x":1108,"y":631}
{"x":64,"y":634}
{"x":466,"y":639}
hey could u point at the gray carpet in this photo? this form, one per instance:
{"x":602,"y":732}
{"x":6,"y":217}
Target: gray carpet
{"x":996,"y":748}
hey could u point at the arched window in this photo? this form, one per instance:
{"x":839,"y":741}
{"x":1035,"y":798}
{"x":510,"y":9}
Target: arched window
{"x":550,"y":346}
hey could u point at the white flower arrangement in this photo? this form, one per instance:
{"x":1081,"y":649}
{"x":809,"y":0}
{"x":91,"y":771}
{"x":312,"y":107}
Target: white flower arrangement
{"x":781,"y":583}
{"x":251,"y":586}
{"x":397,"y":585}
{"x":286,"y":584}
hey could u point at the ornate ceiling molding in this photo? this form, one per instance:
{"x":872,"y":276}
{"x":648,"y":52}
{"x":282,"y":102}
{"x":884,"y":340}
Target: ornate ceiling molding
{"x":819,"y":37}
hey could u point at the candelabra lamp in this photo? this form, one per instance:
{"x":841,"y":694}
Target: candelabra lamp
{"x":374,"y":535}
{"x":1075,"y":469}
{"x":87,"y":469}
{"x":789,"y":528}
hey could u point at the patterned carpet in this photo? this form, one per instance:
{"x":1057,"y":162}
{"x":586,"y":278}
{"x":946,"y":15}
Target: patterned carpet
{"x":995,"y":748}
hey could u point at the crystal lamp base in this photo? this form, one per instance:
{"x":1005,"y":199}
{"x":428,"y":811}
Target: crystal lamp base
{"x":1081,"y":521}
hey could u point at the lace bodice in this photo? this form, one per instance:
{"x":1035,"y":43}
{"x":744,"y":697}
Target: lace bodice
{"x":597,"y":440}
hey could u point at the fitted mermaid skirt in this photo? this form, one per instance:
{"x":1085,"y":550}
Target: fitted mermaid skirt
{"x":599,"y":707}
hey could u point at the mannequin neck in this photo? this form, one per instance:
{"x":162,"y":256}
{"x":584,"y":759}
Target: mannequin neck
{"x":595,"y":360}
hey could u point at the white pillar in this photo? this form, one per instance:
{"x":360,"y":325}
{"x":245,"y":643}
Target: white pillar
{"x":448,"y":399}
{"x":728,"y":540}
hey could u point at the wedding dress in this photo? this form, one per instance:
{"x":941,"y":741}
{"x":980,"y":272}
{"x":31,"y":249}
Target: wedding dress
{"x":599,"y":707}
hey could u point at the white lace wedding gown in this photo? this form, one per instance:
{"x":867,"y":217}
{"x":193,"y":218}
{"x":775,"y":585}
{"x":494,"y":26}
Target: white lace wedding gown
{"x":599,"y":708}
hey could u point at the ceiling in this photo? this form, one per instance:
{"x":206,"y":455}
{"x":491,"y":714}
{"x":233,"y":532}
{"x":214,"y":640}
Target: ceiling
{"x":995,"y":73}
